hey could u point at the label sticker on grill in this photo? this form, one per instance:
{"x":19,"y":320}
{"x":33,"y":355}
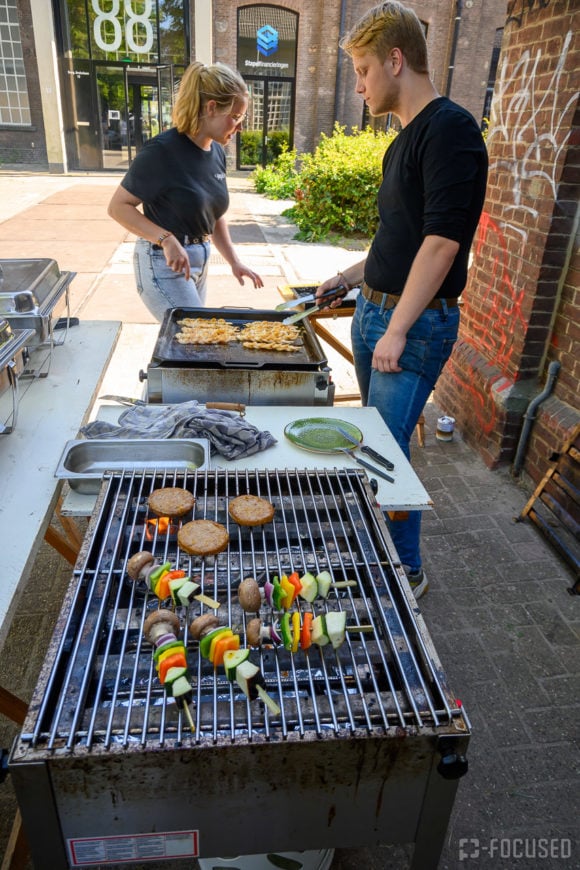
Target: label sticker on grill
{"x":137,"y":847}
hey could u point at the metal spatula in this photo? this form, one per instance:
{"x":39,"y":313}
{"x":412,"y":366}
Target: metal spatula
{"x":325,"y":300}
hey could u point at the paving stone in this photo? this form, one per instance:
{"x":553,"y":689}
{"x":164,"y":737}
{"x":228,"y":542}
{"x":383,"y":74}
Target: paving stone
{"x":562,"y":690}
{"x":530,"y":764}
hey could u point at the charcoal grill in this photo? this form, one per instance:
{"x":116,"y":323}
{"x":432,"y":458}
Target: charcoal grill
{"x":232,"y":373}
{"x":367,"y":747}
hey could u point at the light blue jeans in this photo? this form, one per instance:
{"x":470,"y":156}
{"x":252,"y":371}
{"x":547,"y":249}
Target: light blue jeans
{"x":401,"y":396}
{"x":160,"y":288}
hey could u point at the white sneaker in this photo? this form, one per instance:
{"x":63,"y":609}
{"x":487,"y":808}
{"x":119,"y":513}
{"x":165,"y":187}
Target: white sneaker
{"x":417,"y":581}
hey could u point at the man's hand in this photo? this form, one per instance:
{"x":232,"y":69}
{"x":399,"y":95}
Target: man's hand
{"x":388,"y":351}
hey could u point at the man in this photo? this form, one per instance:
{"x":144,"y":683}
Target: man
{"x":430,"y":200}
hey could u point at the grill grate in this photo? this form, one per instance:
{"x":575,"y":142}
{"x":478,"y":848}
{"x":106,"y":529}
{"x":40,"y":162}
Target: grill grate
{"x":101,"y":690}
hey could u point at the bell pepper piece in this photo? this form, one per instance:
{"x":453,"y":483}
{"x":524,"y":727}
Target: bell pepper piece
{"x":205,"y":642}
{"x":177,"y":660}
{"x":227,"y":632}
{"x":162,"y":590}
{"x":278,"y":594}
{"x":286,"y":631}
{"x":175,"y":574}
{"x":290,"y":591}
{"x":222,"y":645}
{"x":157,"y":573}
{"x":169,"y":652}
{"x":306,"y":633}
{"x":295,"y":631}
{"x":294,"y":579}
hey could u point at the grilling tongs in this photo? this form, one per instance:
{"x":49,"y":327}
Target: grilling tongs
{"x":323,"y":302}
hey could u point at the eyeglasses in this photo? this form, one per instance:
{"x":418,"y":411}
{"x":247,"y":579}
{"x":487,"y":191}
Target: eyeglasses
{"x":237,"y":119}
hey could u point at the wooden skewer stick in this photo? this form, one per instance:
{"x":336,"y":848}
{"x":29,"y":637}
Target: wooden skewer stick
{"x":360,"y":629}
{"x":189,"y":717}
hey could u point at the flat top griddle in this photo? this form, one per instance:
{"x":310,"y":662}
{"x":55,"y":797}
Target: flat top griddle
{"x":169,"y":352}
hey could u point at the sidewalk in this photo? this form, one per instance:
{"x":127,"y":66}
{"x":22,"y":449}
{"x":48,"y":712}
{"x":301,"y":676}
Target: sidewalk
{"x":498,"y":610}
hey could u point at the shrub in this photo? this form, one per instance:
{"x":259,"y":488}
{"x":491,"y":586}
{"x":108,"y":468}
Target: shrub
{"x":250,"y":147}
{"x":279,"y":179}
{"x":337,"y":186}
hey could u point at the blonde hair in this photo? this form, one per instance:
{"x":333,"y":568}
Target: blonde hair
{"x":390,"y":25}
{"x":201,"y":83}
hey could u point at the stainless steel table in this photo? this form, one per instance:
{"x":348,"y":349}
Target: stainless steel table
{"x":51,"y":410}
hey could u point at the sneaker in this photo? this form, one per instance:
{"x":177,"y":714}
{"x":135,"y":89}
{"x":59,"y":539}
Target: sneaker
{"x":417,"y":581}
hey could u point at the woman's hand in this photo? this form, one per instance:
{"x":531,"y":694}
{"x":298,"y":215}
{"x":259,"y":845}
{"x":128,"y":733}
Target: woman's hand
{"x":175,"y":256}
{"x":239,"y":271}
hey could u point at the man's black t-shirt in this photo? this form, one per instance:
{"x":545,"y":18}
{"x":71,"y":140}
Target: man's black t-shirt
{"x":434,"y":180}
{"x":182,"y":187}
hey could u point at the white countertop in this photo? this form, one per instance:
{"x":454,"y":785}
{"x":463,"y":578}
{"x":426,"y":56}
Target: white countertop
{"x":406,"y":493}
{"x":50,"y":412}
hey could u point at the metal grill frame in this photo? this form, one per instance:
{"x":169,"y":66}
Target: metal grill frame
{"x":362,"y":729}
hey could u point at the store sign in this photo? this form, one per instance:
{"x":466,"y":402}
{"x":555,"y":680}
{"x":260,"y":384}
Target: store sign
{"x":267,"y":40}
{"x":117,"y":24}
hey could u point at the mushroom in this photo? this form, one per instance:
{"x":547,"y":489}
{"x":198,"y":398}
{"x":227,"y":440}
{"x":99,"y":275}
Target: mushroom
{"x":160,"y":622}
{"x":249,"y":595}
{"x":138,"y":563}
{"x":254,"y":632}
{"x":257,"y":633}
{"x":202,"y":624}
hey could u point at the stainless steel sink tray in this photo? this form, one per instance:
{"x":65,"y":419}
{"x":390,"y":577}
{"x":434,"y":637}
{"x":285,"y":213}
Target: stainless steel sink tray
{"x":84,"y":462}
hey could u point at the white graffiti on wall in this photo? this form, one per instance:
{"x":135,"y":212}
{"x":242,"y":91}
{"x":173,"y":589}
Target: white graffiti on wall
{"x":532,"y":123}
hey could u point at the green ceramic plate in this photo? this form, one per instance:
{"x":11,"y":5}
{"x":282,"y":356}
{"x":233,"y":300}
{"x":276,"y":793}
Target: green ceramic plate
{"x":321,"y":434}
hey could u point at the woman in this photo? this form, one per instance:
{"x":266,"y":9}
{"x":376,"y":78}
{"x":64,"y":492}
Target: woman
{"x":180,"y":179}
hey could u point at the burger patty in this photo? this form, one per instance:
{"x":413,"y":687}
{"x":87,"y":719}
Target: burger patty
{"x":251,"y":510}
{"x":171,"y":501}
{"x":203,"y":537}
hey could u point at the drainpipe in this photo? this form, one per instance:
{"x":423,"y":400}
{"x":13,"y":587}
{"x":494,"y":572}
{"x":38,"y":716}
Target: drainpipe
{"x":553,"y":370}
{"x":339,"y":60}
{"x":458,"y":12}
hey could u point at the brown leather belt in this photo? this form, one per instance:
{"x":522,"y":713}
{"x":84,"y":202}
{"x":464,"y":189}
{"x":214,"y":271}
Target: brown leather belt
{"x":186,"y":240}
{"x":390,"y":301}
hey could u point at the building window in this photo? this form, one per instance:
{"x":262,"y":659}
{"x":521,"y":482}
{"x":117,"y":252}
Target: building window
{"x":128,"y":31}
{"x":14,"y":105}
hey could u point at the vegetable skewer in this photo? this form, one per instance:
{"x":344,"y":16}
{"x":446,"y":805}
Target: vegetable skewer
{"x":161,"y":629}
{"x":221,"y":645}
{"x":166,"y":582}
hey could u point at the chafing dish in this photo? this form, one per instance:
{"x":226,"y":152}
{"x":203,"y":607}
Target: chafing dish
{"x":33,"y":294}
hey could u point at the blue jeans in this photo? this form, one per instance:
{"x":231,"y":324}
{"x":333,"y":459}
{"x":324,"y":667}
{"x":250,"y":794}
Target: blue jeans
{"x":401,"y":396}
{"x":160,"y":288}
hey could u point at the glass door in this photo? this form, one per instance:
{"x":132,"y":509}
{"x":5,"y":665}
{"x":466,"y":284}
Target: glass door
{"x":113,"y":116}
{"x":133,"y":106}
{"x":268,"y":125}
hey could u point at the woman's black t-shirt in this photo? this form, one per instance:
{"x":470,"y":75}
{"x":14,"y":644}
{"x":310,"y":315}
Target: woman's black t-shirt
{"x":434,"y":180}
{"x":183,"y":188}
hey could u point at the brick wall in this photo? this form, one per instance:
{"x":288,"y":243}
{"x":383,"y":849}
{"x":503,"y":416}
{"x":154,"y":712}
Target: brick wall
{"x":522,"y":301}
{"x":26,"y":145}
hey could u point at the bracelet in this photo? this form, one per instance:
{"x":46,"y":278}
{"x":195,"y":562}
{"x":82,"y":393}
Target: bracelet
{"x":344,"y":281}
{"x":162,"y":238}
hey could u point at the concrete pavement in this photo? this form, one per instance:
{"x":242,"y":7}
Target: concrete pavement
{"x":502,"y":621}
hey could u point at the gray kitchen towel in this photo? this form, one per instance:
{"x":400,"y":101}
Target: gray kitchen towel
{"x":227,"y":432}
